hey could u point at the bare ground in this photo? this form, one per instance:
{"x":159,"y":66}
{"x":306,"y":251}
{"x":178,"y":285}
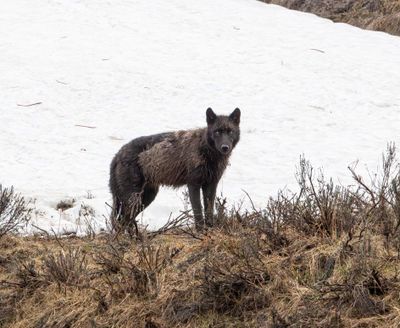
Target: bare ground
{"x":379,"y":15}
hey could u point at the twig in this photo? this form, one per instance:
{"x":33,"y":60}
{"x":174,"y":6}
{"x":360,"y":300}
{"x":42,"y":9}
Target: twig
{"x":85,"y":126}
{"x":57,"y":239}
{"x":318,"y":50}
{"x":191,"y":233}
{"x":42,"y":230}
{"x":251,"y":201}
{"x":176,"y":223}
{"x":358,"y":179}
{"x":29,"y":105}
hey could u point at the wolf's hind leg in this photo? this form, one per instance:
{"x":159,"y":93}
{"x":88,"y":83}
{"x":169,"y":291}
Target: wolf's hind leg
{"x":136,"y":203}
{"x":149,"y":194}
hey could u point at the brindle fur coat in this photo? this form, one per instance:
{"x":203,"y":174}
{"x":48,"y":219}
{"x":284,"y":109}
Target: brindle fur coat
{"x":196,"y":158}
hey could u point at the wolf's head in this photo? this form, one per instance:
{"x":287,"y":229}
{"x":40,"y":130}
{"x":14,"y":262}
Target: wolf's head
{"x":223,"y":132}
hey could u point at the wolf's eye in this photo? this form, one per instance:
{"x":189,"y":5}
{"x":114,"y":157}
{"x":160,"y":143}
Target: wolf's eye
{"x":217,"y":133}
{"x":230,"y":132}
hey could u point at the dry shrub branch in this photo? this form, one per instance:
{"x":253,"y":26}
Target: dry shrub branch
{"x":14,"y":211}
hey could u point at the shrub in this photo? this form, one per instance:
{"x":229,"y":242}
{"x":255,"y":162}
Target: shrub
{"x":14,"y":211}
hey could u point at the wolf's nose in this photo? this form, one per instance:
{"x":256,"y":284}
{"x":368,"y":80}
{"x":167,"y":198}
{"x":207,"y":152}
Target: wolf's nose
{"x":225,"y":148}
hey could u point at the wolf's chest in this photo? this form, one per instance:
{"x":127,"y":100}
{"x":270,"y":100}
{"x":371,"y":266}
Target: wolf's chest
{"x":208,"y":172}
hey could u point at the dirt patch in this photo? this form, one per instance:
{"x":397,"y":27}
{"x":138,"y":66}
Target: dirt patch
{"x":379,"y":15}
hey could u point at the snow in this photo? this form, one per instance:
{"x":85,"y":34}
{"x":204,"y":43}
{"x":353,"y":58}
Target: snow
{"x":129,"y":68}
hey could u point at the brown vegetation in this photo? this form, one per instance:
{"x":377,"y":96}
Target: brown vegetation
{"x":327,"y":256}
{"x":14,"y":211}
{"x":379,"y":15}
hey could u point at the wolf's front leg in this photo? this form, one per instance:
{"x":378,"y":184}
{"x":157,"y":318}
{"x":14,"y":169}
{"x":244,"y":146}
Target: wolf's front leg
{"x":194,"y":195}
{"x":209,"y":192}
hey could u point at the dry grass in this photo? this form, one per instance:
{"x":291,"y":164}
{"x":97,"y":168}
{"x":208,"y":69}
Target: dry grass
{"x":380,"y":15}
{"x":327,"y":256}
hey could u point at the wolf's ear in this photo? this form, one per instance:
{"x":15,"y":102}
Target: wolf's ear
{"x":211,"y":116}
{"x":235,"y":116}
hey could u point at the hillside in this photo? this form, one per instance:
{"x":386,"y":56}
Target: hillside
{"x":379,"y":15}
{"x":292,"y":247}
{"x":325,"y":257}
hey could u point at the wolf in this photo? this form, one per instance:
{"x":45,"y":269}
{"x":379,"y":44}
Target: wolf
{"x":196,"y":158}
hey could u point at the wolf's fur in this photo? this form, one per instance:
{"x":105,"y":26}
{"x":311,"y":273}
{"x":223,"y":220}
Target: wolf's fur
{"x":196,"y":158}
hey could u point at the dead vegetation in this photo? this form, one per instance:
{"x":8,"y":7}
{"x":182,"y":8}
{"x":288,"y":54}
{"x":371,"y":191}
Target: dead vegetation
{"x":379,"y":15}
{"x":14,"y":211}
{"x":326,"y":256}
{"x":65,"y":204}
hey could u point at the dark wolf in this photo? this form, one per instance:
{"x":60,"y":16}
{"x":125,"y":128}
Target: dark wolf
{"x":196,"y":158}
